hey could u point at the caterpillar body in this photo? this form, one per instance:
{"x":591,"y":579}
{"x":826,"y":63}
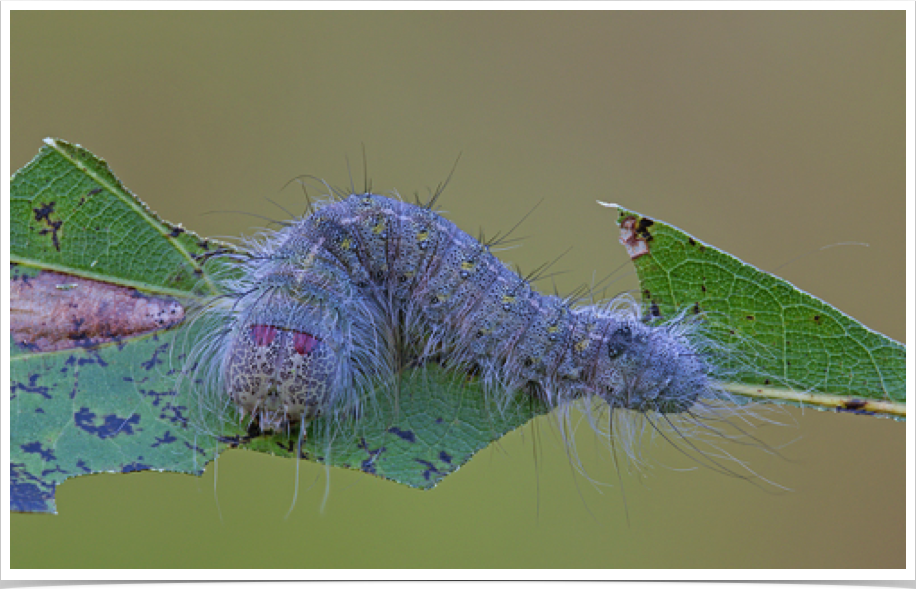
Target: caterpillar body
{"x":323,"y":309}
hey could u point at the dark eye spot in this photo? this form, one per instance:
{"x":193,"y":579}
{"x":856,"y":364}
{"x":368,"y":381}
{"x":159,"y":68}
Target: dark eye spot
{"x":619,"y":341}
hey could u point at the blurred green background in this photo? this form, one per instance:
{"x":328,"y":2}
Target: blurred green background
{"x":767,"y":134}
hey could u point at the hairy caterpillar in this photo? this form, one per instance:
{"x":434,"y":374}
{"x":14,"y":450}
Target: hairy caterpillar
{"x":317,"y":313}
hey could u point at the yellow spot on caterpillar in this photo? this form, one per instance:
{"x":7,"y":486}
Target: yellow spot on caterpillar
{"x":467,"y":265}
{"x":507,"y":299}
{"x":379,"y":227}
{"x":553,"y":329}
{"x":422,"y":235}
{"x":582,"y":345}
{"x":346,"y":243}
{"x":308,"y":262}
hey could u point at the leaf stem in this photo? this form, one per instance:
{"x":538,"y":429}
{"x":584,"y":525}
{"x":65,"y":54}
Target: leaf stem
{"x":891,"y":408}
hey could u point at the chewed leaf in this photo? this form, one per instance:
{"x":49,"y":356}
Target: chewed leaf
{"x":100,"y":380}
{"x":69,"y":213}
{"x":111,"y":408}
{"x":96,"y":277}
{"x":435,"y":424}
{"x":101,"y":286}
{"x":815,"y":354}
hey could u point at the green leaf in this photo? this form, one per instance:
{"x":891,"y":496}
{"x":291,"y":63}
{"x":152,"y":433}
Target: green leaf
{"x":69,"y":213}
{"x":109,"y":407}
{"x":96,"y":393}
{"x":113,"y":405}
{"x":83,"y":411}
{"x":813,"y":354}
{"x":436,"y":425}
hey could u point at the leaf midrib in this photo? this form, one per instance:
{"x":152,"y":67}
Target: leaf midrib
{"x":145,"y":287}
{"x":144,"y":212}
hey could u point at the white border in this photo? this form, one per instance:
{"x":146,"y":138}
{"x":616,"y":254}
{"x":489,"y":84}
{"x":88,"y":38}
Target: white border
{"x":451,"y":5}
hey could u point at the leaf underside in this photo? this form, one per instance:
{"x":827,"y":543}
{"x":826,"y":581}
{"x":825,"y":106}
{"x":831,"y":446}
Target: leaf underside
{"x":111,"y":404}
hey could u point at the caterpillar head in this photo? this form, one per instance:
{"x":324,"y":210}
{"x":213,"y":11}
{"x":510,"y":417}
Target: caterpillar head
{"x":285,"y":355}
{"x":651,"y":369}
{"x":279,"y":374}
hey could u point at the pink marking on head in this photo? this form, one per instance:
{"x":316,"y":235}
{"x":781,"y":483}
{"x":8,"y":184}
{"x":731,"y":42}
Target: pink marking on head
{"x":304,"y":342}
{"x":263,"y":334}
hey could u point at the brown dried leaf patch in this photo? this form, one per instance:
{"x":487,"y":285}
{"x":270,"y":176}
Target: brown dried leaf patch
{"x":54,"y":311}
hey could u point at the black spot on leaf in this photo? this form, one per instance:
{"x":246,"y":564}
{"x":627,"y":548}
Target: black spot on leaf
{"x":32,"y":387}
{"x":642,"y":228}
{"x":166,"y":438}
{"x":56,"y":468}
{"x":369,"y":464}
{"x":43,"y":215}
{"x":290,"y":446}
{"x":403,"y":434}
{"x":156,"y":396}
{"x":154,"y":359}
{"x":854,"y":404}
{"x":430,"y":469}
{"x":28,"y":492}
{"x":135,"y":467}
{"x":111,"y":426}
{"x":196,"y":448}
{"x":36,"y":448}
